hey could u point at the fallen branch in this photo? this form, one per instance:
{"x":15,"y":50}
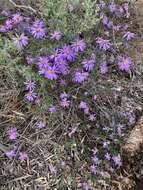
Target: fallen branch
{"x":22,"y":6}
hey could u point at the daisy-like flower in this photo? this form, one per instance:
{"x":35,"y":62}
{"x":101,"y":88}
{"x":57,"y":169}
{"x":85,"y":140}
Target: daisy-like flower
{"x":56,"y":55}
{"x":52,"y":169}
{"x":17,"y":18}
{"x":79,"y":45}
{"x":129,"y":35}
{"x":62,"y":66}
{"x":103,"y":44}
{"x":63,"y":82}
{"x":30,"y":85}
{"x":68,"y":53}
{"x":12,"y":133}
{"x":103,"y":67}
{"x":30,"y":96}
{"x":53,"y":109}
{"x":124,"y":63}
{"x":117,"y":160}
{"x":86,"y":186}
{"x":38,"y":29}
{"x":65,"y":102}
{"x":83,"y":105}
{"x":112,"y":7}
{"x":9,"y":24}
{"x":3,"y":29}
{"x":64,"y":95}
{"x":116,"y":28}
{"x":80,"y":76}
{"x":95,"y":159}
{"x":43,"y":62}
{"x":20,"y":41}
{"x":93,"y":169}
{"x":30,"y":60}
{"x":88,"y":64}
{"x":95,"y":97}
{"x":11,"y":154}
{"x":105,"y":144}
{"x":107,"y":156}
{"x":41,"y":125}
{"x":51,"y":73}
{"x":92,"y":117}
{"x":23,"y":156}
{"x":56,"y":35}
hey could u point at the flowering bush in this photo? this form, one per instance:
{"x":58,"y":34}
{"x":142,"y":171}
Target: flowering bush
{"x":58,"y":58}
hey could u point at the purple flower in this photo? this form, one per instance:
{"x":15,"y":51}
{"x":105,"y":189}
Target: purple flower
{"x":105,"y":20}
{"x":43,"y":62}
{"x":129,"y":35}
{"x":3,"y":29}
{"x":29,"y":60}
{"x":41,"y":125}
{"x":51,"y":73}
{"x":30,"y":85}
{"x":53,"y":109}
{"x":117,"y":160}
{"x":17,"y":18}
{"x":88,"y":64}
{"x":56,"y":56}
{"x":116,"y":28}
{"x":103,"y":44}
{"x":78,"y":45}
{"x":107,"y":156}
{"x":52,"y":169}
{"x":92,"y":117}
{"x":62,"y":66}
{"x":105,"y":144}
{"x":65,"y":103}
{"x":56,"y":35}
{"x":112,"y":7}
{"x":23,"y":156}
{"x":86,"y":186}
{"x":64,"y":95}
{"x":95,"y":97}
{"x":68,"y":53}
{"x":95,"y":159}
{"x":80,"y":76}
{"x":9,"y":24}
{"x":103,"y":67}
{"x":93,"y":169}
{"x":126,"y":8}
{"x":83,"y":105}
{"x":63,"y":82}
{"x":20,"y":41}
{"x":38,"y":29}
{"x":124,"y":63}
{"x":10,"y":154}
{"x":12,"y":133}
{"x":30,"y":96}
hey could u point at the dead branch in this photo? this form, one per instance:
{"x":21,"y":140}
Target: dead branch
{"x":22,"y":6}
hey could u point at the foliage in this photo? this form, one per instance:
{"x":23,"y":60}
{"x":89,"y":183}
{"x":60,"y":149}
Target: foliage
{"x":71,"y":17}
